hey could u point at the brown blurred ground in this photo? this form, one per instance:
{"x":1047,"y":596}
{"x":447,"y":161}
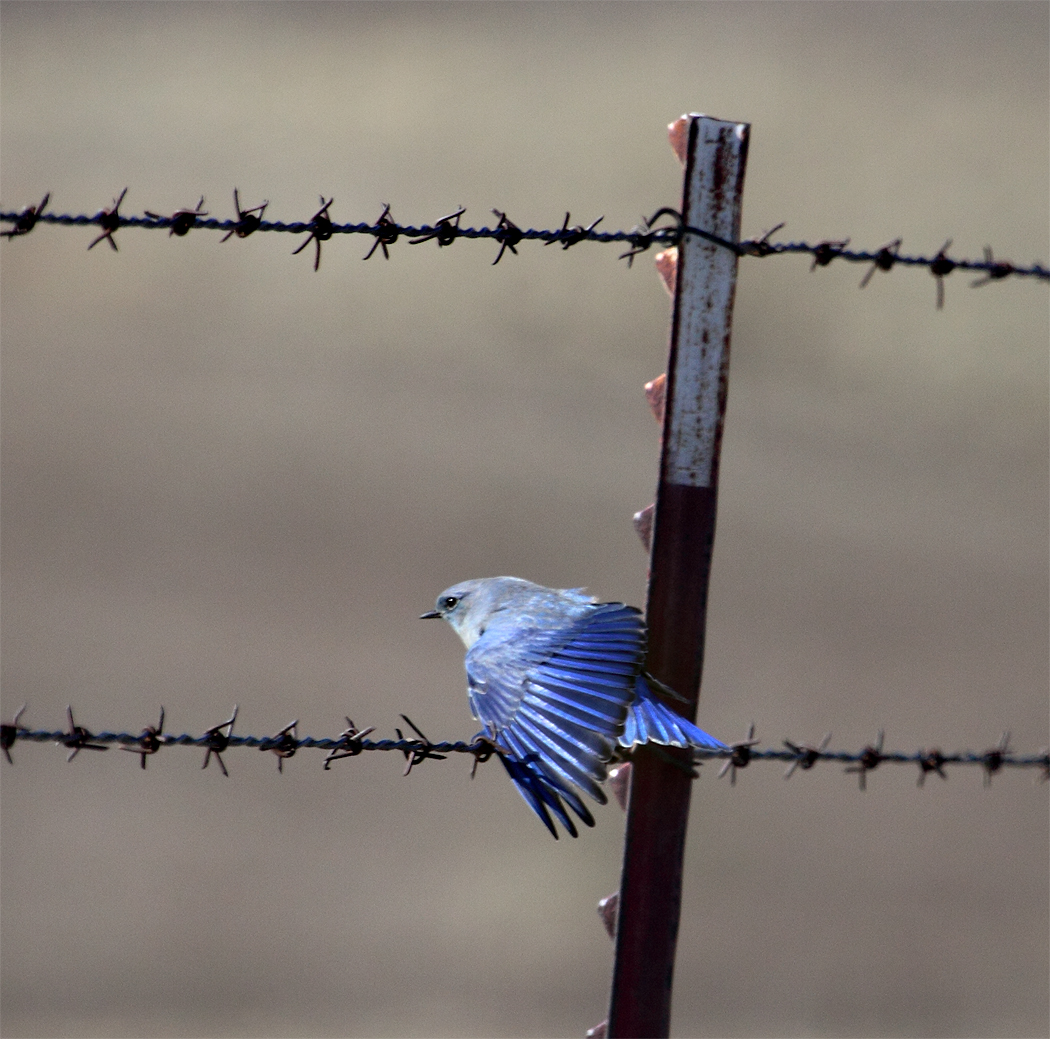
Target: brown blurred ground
{"x":228,"y":479}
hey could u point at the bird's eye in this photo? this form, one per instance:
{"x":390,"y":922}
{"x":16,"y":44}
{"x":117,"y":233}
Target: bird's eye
{"x":448,"y":602}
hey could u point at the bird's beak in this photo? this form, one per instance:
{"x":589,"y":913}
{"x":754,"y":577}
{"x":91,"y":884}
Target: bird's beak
{"x":429,"y":615}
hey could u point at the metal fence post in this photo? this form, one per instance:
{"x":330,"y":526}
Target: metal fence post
{"x":683,"y":538}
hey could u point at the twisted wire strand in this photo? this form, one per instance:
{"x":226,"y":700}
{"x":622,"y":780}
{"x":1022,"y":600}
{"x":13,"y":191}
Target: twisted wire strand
{"x":445,"y":231}
{"x":999,"y":757}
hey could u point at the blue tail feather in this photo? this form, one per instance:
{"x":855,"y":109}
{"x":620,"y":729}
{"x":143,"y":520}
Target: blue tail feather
{"x":650,"y":721}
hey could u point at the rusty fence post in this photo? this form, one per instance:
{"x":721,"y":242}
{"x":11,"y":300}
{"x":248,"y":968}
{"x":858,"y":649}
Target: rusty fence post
{"x":715,"y":154}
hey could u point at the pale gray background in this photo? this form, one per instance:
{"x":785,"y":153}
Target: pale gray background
{"x":229,"y":479}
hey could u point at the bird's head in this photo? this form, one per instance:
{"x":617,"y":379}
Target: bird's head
{"x":468,"y":606}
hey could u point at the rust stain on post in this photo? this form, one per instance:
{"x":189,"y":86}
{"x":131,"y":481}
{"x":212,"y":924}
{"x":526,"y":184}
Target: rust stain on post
{"x":715,"y":154}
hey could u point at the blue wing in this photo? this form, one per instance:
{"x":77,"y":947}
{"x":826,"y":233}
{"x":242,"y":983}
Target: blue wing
{"x":650,"y":721}
{"x":557,"y":700}
{"x":541,"y":793}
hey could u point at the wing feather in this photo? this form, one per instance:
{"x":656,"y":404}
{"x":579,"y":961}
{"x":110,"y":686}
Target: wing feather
{"x":557,"y":700}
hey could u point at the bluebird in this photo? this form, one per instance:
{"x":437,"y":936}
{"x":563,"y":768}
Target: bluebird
{"x":558,"y":681}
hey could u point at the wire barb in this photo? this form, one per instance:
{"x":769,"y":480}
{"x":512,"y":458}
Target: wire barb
{"x":825,"y":252}
{"x":182,"y":221}
{"x":446,"y":230}
{"x":150,"y":741}
{"x":386,"y":231}
{"x":761,"y":246}
{"x":931,"y":761}
{"x":77,"y":738}
{"x":9,"y":733}
{"x":993,"y":759}
{"x":283,"y":743}
{"x":418,"y":750}
{"x":570,"y":236}
{"x":869,"y":759}
{"x":26,"y":220}
{"x":884,"y":260}
{"x":349,"y":745}
{"x":248,"y":220}
{"x":320,"y":231}
{"x":109,"y":221}
{"x":508,"y":234}
{"x":995,"y":270}
{"x":642,"y":236}
{"x":741,"y":756}
{"x":217,"y":741}
{"x":483,"y":747}
{"x":806,"y":756}
{"x":940,"y":269}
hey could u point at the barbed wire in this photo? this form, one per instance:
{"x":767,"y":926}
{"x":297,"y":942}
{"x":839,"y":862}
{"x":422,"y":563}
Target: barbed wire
{"x":386,"y":231}
{"x":417,"y":748}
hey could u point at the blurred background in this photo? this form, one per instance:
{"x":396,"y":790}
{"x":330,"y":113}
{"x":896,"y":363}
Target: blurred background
{"x":228,"y":479}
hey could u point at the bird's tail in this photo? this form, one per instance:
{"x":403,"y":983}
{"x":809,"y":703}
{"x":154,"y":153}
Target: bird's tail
{"x":650,"y":721}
